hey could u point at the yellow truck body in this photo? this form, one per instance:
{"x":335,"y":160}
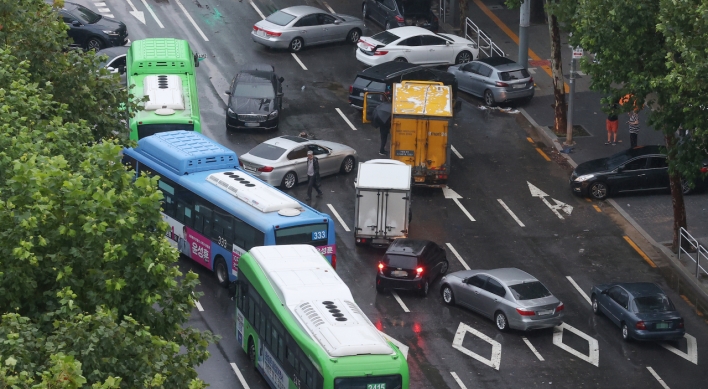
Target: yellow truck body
{"x":420,"y":119}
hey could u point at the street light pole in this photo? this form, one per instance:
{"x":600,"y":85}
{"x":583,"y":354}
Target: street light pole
{"x":524,"y":21}
{"x":569,"y":129}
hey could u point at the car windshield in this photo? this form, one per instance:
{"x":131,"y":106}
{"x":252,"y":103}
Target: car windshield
{"x":254,"y":91}
{"x":86,"y":15}
{"x":529,"y":291}
{"x":617,"y":160}
{"x":514,"y":75}
{"x":266,"y":151}
{"x":280,"y":18}
{"x":401,"y":261}
{"x":385,"y":37}
{"x":655,"y":303}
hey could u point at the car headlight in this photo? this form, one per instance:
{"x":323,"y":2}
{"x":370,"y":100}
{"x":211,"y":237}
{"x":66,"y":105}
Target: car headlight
{"x":229,"y":110}
{"x":273,"y":114}
{"x":584,"y":177}
{"x":472,"y":45}
{"x":111,"y":33}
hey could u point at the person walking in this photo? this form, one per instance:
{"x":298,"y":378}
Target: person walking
{"x":633,"y":127}
{"x":384,"y":130}
{"x":313,"y":175}
{"x":611,"y":124}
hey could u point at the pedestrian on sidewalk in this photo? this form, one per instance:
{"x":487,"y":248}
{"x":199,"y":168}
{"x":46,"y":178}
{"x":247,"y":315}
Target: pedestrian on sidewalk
{"x":313,"y":175}
{"x":633,"y":127}
{"x":611,"y":124}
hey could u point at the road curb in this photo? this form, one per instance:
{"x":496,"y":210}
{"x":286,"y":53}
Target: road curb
{"x":700,"y":291}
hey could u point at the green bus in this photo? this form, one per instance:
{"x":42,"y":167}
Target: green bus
{"x":164,"y":70}
{"x":298,"y":323}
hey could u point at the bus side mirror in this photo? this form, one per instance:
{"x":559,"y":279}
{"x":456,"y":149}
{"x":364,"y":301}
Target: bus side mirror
{"x":233,"y":290}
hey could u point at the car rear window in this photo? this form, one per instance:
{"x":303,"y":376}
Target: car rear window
{"x":385,"y":37}
{"x":280,"y":18}
{"x":656,"y":303}
{"x":529,"y":291}
{"x":371,"y":85}
{"x":266,"y":151}
{"x":402,"y":261}
{"x":514,"y":75}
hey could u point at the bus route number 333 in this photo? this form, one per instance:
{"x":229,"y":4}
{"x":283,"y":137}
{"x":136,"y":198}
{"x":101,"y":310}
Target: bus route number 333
{"x":317,"y":235}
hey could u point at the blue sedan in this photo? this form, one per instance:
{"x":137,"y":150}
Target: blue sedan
{"x":641,"y":309}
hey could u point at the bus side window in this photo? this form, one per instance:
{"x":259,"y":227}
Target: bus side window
{"x":169,"y":204}
{"x":202,"y":218}
{"x":245,"y":236}
{"x":268,"y":333}
{"x":257,"y":319}
{"x":243,"y":293}
{"x":223,"y":228}
{"x":251,"y":309}
{"x":262,"y":325}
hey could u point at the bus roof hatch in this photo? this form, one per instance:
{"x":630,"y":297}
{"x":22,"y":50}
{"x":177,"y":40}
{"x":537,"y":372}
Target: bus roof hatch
{"x":187,"y":152}
{"x":164,"y":91}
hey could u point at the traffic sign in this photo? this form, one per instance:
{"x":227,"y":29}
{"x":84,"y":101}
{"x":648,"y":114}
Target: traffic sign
{"x":577,"y":52}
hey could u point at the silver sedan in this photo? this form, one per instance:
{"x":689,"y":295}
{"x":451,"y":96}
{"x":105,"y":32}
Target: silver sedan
{"x":282,"y":161}
{"x":296,"y":27}
{"x":511,"y":297}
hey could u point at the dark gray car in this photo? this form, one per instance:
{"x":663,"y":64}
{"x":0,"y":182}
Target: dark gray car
{"x":496,"y":79}
{"x":400,"y":13}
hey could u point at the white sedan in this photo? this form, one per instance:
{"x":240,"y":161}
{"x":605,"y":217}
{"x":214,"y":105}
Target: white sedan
{"x":415,"y":45}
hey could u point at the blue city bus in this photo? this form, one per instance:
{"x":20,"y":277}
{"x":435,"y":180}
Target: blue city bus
{"x":216,"y":210}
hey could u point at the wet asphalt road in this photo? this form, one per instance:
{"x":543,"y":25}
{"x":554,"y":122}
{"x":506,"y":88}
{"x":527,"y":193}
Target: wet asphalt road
{"x":498,"y":163}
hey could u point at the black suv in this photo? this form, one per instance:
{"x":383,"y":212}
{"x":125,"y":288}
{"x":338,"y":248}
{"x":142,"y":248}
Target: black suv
{"x":380,"y":78}
{"x":255,"y":98}
{"x":400,"y":13}
{"x":411,"y":264}
{"x":90,"y":30}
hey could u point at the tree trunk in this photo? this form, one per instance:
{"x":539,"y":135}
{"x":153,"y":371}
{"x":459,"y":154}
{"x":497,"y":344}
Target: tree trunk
{"x":676,"y":195}
{"x":463,"y":17}
{"x":560,"y":123}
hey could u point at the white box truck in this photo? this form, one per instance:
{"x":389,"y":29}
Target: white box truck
{"x":383,"y":199}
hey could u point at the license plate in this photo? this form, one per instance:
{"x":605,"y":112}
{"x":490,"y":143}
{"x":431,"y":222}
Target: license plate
{"x":361,"y":94}
{"x":519,"y":86}
{"x":251,"y":124}
{"x":260,"y":32}
{"x":399,"y":273}
{"x":546,"y":312}
{"x":662,"y":326}
{"x":419,"y":179}
{"x":250,"y":168}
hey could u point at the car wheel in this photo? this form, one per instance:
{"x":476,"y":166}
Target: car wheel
{"x":425,"y":289}
{"x":501,"y":322}
{"x":445,"y":266}
{"x":595,"y":306}
{"x":625,"y":333}
{"x":94,"y":44}
{"x":685,"y":187}
{"x":388,"y":25}
{"x":354,"y":36}
{"x":447,"y":295}
{"x":463,"y":57}
{"x":252,"y":352}
{"x":598,"y":190}
{"x":347,"y":165}
{"x":222,"y":272}
{"x":289,"y":180}
{"x":364,"y":11}
{"x":296,"y":45}
{"x":489,"y":98}
{"x":400,"y":59}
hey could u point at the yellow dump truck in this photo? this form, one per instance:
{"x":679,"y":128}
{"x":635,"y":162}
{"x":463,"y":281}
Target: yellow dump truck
{"x":420,"y":118}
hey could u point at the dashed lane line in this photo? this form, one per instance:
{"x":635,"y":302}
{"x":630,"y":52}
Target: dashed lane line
{"x":199,"y":30}
{"x":257,"y":10}
{"x":336,"y":214}
{"x":339,"y":111}
{"x":240,"y":376}
{"x":458,"y":380}
{"x":328,"y":7}
{"x":596,"y":208}
{"x":510,"y":212}
{"x":159,"y":23}
{"x":580,"y":290}
{"x":400,"y":302}
{"x":454,"y":150}
{"x":536,"y":353}
{"x":661,"y":382}
{"x":199,"y":305}
{"x":298,"y":61}
{"x":459,"y":258}
{"x":639,"y":251}
{"x":528,"y":138}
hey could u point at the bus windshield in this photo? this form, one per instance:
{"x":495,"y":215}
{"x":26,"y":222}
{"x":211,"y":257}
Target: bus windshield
{"x":313,"y":234}
{"x":380,"y":382}
{"x":151,"y":129}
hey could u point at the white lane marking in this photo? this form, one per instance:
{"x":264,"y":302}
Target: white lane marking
{"x":536,"y":353}
{"x":400,"y":302}
{"x":580,"y":290}
{"x":159,"y":23}
{"x":199,"y":306}
{"x":199,"y":30}
{"x":257,"y":10}
{"x":510,"y":213}
{"x":494,"y":361}
{"x":240,"y":376}
{"x":463,"y":209}
{"x":458,"y":380}
{"x":104,"y":10}
{"x":451,"y":194}
{"x":138,"y":14}
{"x":663,"y":384}
{"x":593,"y":356}
{"x":336,"y":214}
{"x":345,"y":118}
{"x":535,"y":192}
{"x":532,"y":70}
{"x":454,"y":150}
{"x":100,"y":4}
{"x":328,"y":7}
{"x":691,"y":353}
{"x":109,"y":15}
{"x":401,"y":346}
{"x":298,"y":61}
{"x":459,"y":258}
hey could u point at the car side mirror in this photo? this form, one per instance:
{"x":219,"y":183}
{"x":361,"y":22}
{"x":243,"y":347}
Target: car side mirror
{"x":281,"y":79}
{"x":447,"y":43}
{"x":604,"y":291}
{"x":337,"y":21}
{"x":76,"y":23}
{"x":111,"y":69}
{"x":228,"y":93}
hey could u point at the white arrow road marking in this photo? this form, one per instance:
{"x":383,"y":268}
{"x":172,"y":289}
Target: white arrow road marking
{"x":454,"y":150}
{"x":159,"y":23}
{"x":400,"y":302}
{"x":401,"y":346}
{"x":458,"y":380}
{"x":511,"y":213}
{"x":535,"y":192}
{"x":582,"y":292}
{"x":532,"y":70}
{"x":691,"y":353}
{"x":593,"y":356}
{"x":336,"y":214}
{"x":138,"y":14}
{"x":663,"y":384}
{"x":199,"y":30}
{"x":339,"y":111}
{"x":240,"y":376}
{"x":451,"y":194}
{"x":257,"y":10}
{"x":536,"y":353}
{"x":462,"y":261}
{"x":494,"y":361}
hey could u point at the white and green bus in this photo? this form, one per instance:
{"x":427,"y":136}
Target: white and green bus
{"x":298,"y":323}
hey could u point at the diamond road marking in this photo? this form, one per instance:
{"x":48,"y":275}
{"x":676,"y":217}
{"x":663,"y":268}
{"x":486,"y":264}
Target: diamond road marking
{"x":691,"y":353}
{"x":492,"y":362}
{"x":593,"y":356}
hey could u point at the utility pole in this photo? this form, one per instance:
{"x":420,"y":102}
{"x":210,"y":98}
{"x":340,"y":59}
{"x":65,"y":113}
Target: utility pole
{"x":577,"y":53}
{"x":524,"y":21}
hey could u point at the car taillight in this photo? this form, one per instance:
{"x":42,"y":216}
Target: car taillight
{"x":419,"y":271}
{"x":640,"y":325}
{"x":525,"y":312}
{"x":680,"y":324}
{"x":560,"y":307}
{"x":240,"y":163}
{"x":334,"y":261}
{"x":704,"y":169}
{"x":400,"y":19}
{"x":499,"y":83}
{"x":271,"y":33}
{"x":351,"y":88}
{"x":381,"y":267}
{"x":380,"y":52}
{"x":531,"y":80}
{"x":265,"y":169}
{"x":255,"y":28}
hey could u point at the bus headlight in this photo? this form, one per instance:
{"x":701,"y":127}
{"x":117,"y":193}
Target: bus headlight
{"x":273,"y":114}
{"x":584,"y":177}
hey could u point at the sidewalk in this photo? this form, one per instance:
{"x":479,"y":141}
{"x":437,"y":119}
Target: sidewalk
{"x":651,"y":214}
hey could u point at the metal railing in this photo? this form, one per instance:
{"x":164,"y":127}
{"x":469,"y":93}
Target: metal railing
{"x":484,"y":42}
{"x":690,"y":247}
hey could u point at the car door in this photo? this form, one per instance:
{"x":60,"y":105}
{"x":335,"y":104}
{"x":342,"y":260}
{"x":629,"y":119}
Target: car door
{"x":657,"y":173}
{"x":330,"y":32}
{"x":615,"y":304}
{"x":436,"y":51}
{"x":410,"y":49}
{"x":632,"y":176}
{"x":466,"y":77}
{"x":470,"y":290}
{"x":376,"y":11}
{"x":76,"y":32}
{"x":328,"y":163}
{"x":432,"y":259}
{"x":484,"y":80}
{"x":297,"y":161}
{"x":388,"y":13}
{"x":490,"y":296}
{"x":307,"y":28}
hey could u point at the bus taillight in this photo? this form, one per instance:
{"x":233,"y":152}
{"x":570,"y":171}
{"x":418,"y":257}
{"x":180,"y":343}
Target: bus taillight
{"x":334,"y":261}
